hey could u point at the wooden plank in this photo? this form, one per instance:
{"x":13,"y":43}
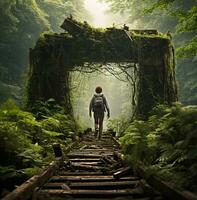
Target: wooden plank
{"x":121,"y":172}
{"x":85,"y":159}
{"x":80,"y":155}
{"x":25,"y":191}
{"x":89,"y":178}
{"x":57,"y":150}
{"x":109,"y":160}
{"x":95,"y":150}
{"x":87,"y":163}
{"x":94,"y":185}
{"x":164,"y":187}
{"x":84,"y":152}
{"x":79,"y":173}
{"x":45,"y":196}
{"x":77,"y":166}
{"x":92,"y":193}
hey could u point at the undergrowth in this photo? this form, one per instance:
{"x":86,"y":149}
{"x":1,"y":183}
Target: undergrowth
{"x":26,"y":139}
{"x":166,"y":144}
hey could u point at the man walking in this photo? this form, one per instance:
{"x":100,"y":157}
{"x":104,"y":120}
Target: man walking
{"x":98,"y":105}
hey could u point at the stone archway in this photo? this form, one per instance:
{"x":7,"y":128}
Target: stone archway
{"x":56,"y":54}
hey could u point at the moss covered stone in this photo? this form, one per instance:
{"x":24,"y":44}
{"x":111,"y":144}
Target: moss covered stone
{"x":55,"y":55}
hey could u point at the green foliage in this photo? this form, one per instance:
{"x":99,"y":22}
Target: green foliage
{"x":9,"y":91}
{"x":166,"y":143}
{"x":25,"y":142}
{"x":46,"y":108}
{"x":21,"y":23}
{"x":188,"y":50}
{"x":118,"y":125}
{"x":176,"y":17}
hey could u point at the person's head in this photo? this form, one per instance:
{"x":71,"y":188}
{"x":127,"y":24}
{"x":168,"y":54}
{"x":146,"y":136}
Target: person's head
{"x":98,"y":90}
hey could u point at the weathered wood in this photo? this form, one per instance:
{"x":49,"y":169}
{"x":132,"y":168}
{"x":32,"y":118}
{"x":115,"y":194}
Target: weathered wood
{"x":88,"y":163}
{"x":164,"y":187}
{"x":85,"y":160}
{"x":121,"y":172}
{"x":25,"y":191}
{"x":109,"y":160}
{"x":48,"y":197}
{"x":94,"y":185}
{"x":79,"y":173}
{"x":86,"y":167}
{"x":90,"y":178}
{"x":105,"y":185}
{"x":57,"y":150}
{"x":89,"y":193}
{"x":81,"y":155}
{"x":189,"y":195}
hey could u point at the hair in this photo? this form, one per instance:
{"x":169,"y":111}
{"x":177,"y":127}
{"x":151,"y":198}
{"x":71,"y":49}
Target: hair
{"x":98,"y":89}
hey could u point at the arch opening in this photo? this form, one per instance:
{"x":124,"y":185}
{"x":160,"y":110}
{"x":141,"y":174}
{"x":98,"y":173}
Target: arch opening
{"x":119,"y":83}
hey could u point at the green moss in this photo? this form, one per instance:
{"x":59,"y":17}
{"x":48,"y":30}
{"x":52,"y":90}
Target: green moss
{"x":55,"y":55}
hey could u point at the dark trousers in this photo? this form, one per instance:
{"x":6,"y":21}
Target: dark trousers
{"x":98,"y":120}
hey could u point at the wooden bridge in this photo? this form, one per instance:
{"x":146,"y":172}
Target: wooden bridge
{"x":94,"y":169}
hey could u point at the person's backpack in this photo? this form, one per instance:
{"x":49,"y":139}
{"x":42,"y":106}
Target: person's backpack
{"x":98,"y":102}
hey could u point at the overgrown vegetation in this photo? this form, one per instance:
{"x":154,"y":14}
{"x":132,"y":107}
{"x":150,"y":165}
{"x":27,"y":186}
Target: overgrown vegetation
{"x":21,"y":24}
{"x":26,"y":139}
{"x":177,"y":18}
{"x":165,"y":144}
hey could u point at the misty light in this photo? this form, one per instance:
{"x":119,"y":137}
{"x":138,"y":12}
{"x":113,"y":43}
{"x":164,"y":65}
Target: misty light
{"x":98,"y":11}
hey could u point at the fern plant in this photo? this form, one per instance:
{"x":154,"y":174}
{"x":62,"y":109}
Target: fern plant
{"x":166,"y":142}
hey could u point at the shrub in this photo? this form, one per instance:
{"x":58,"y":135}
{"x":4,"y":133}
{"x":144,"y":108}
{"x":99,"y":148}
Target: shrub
{"x":167,"y":143}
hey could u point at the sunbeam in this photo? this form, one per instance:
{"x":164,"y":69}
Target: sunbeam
{"x":98,"y":12}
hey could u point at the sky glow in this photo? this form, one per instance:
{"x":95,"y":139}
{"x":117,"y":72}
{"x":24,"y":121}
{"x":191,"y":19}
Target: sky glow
{"x":97,"y":10}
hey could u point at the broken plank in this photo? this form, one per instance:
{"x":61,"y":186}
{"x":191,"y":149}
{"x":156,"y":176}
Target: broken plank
{"x":25,"y":191}
{"x":122,"y":172}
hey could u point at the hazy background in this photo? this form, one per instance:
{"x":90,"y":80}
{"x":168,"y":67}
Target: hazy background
{"x":118,"y":94}
{"x":22,"y":21}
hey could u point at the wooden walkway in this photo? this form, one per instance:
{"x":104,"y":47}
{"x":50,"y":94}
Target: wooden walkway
{"x":95,"y":171}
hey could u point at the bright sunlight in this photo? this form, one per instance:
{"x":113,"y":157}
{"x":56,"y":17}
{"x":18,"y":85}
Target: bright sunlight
{"x":98,"y":12}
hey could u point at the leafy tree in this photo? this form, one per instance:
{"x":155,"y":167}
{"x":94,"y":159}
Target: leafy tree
{"x":21,"y":23}
{"x":178,"y":17}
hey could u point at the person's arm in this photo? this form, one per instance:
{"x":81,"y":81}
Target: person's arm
{"x":106,"y":106}
{"x":90,"y":107}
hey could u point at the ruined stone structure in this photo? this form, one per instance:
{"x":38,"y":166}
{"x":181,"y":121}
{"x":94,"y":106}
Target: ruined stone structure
{"x":55,"y":55}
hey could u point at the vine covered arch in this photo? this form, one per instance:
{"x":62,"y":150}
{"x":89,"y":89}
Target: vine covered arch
{"x":55,"y":55}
